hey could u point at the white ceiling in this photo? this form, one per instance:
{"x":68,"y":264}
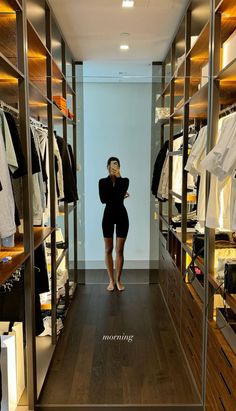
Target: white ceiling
{"x":93,"y":28}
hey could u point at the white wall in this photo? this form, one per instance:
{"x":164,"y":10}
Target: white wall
{"x":117,"y":122}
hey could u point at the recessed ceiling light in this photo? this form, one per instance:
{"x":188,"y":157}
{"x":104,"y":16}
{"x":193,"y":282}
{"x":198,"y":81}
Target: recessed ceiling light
{"x":128,"y":3}
{"x":124,"y":34}
{"x":124,"y":47}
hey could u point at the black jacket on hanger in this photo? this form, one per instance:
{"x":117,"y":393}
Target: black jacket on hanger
{"x":72,"y":160}
{"x":22,"y":168}
{"x":70,"y":189}
{"x":158,"y":167}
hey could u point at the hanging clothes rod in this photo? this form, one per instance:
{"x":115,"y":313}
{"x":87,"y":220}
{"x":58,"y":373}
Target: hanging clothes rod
{"x":37,"y":122}
{"x":6,"y":106}
{"x":228,"y":110}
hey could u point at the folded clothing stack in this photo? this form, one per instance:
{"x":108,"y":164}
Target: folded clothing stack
{"x":191,"y":220}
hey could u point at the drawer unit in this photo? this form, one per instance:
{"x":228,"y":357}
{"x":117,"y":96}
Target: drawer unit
{"x":224,"y":399}
{"x":221,"y":364}
{"x":193,"y":360}
{"x":214,"y":398}
{"x":191,"y":310}
{"x":188,"y":330}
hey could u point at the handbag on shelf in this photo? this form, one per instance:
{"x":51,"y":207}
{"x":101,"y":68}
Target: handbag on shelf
{"x":230,"y":278}
{"x":222,"y":240}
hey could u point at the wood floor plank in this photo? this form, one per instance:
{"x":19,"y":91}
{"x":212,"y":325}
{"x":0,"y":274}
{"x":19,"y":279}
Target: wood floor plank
{"x":88,"y":368}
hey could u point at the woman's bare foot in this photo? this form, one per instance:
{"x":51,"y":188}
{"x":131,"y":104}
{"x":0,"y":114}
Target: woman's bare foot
{"x":110,"y":287}
{"x":120,"y":286}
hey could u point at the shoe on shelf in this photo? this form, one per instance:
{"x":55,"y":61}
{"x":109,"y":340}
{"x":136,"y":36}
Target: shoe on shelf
{"x":120,"y":287}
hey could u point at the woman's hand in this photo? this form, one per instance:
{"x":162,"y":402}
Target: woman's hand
{"x":126,"y":194}
{"x":115,"y":171}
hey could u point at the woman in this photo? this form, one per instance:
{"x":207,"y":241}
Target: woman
{"x":113,"y":191}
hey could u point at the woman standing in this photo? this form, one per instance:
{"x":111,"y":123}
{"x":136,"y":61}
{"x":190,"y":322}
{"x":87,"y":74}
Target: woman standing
{"x":113,"y":191}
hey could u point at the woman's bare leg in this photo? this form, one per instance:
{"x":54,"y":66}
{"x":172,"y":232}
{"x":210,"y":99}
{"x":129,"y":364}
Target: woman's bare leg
{"x":109,"y":261}
{"x":120,"y":242}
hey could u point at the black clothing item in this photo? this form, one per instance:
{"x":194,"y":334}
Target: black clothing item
{"x":115,"y":211}
{"x":12,"y":306}
{"x":70,"y":189}
{"x":35,"y":158}
{"x":22,"y":168}
{"x":158,"y":168}
{"x":41,"y":274}
{"x":72,"y":160}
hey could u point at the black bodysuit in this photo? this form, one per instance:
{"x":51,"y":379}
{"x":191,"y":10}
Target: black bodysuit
{"x":115,"y":211}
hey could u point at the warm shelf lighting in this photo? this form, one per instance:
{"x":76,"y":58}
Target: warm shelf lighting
{"x":37,"y":104}
{"x":128,"y":4}
{"x":199,"y":58}
{"x":57,"y":80}
{"x":37,"y":56}
{"x":124,"y":47}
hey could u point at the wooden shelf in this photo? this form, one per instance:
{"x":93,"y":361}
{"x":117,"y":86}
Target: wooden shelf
{"x":9,"y":70}
{"x":18,"y":254}
{"x":18,"y":258}
{"x":8,"y":37}
{"x":10,"y":5}
{"x":198,"y":103}
{"x":227,"y":7}
{"x":59,"y":115}
{"x":70,"y":89}
{"x":228,"y":73}
{"x":57,"y":73}
{"x":35,"y":45}
{"x":9,"y":92}
{"x":38,"y":103}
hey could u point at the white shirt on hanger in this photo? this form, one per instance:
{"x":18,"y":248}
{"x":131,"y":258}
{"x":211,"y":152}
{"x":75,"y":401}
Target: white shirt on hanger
{"x":221,"y":162}
{"x":194,"y":167}
{"x":7,"y":203}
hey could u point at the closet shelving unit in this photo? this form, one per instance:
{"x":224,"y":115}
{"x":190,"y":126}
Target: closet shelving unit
{"x":35,"y":65}
{"x":196,"y":99}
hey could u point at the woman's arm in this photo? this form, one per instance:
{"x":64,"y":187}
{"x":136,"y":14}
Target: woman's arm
{"x":103,"y":191}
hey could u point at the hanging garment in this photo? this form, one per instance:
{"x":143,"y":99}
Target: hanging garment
{"x":22,"y":169}
{"x":70,"y":189}
{"x":194,"y":167}
{"x":41,"y":272}
{"x":7,"y":203}
{"x":72,"y":160}
{"x":9,"y":147}
{"x":58,"y":170}
{"x":221,"y":162}
{"x":16,"y":176}
{"x":177,"y":165}
{"x":158,"y":166}
{"x":12,"y":306}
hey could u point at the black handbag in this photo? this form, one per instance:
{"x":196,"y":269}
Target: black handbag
{"x":198,"y":242}
{"x":230,"y":278}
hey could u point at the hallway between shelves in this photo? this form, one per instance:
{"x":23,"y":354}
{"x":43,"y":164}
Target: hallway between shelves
{"x":97,"y":361}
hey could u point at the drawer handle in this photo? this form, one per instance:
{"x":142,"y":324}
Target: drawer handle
{"x":190,"y":332}
{"x":223,"y":379}
{"x":222,"y":404}
{"x":226,"y":357}
{"x":190,"y":349}
{"x":190,"y":312}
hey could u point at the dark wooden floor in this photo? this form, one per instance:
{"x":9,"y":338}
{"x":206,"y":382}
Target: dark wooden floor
{"x":88,"y":370}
